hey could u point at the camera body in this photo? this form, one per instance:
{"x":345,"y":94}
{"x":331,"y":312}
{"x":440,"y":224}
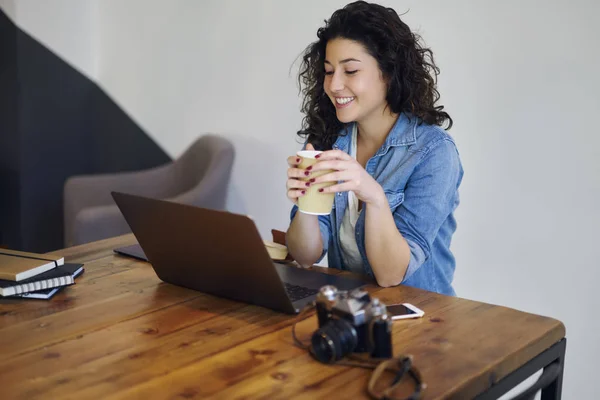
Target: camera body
{"x":350,"y":322}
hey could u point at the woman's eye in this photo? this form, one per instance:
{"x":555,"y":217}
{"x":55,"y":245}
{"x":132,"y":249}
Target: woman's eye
{"x":351,"y":72}
{"x":328,"y":72}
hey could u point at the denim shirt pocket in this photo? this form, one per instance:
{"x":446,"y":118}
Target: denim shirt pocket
{"x":394,"y":198}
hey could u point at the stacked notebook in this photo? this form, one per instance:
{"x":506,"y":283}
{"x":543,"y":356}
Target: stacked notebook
{"x":32,"y":275}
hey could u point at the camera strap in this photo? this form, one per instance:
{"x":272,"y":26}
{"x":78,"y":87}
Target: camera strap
{"x":379,"y":388}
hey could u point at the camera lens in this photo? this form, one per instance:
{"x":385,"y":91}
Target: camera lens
{"x":333,"y":340}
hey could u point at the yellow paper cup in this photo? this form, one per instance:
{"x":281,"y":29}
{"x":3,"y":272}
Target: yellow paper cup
{"x":313,"y":202}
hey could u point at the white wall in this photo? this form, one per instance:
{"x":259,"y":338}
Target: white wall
{"x":518,"y":77}
{"x":8,"y":6}
{"x":65,"y":26}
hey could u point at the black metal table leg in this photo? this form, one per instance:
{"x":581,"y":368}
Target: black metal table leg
{"x":554,"y":390}
{"x":550,"y":382}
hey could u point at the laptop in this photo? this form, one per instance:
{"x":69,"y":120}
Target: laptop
{"x":133,"y":250}
{"x":219,"y":253}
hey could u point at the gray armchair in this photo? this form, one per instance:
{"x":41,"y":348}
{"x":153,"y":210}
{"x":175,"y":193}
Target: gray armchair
{"x":200,"y":176}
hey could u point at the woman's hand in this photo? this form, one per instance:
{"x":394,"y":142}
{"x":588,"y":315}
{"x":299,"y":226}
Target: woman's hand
{"x":352,"y":175}
{"x":295,"y":187}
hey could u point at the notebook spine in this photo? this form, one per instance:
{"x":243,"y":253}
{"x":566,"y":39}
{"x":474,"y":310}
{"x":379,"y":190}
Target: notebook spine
{"x":45,"y":284}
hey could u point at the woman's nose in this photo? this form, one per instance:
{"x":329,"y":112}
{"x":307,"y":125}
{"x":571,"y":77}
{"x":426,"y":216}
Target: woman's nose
{"x":336,"y":84}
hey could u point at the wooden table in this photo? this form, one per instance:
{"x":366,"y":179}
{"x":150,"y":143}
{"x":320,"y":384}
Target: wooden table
{"x":121,"y":333}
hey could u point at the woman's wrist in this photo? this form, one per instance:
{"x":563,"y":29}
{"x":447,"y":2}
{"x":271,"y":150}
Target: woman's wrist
{"x":379,"y":200}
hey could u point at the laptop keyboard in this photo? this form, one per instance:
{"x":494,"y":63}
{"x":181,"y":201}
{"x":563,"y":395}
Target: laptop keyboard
{"x":298,"y":292}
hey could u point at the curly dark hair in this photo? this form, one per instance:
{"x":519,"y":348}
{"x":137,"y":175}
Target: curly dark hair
{"x":407,"y":67}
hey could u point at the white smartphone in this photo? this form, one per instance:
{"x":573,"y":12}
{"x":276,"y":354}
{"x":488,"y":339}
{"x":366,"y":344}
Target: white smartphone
{"x":404,"y":311}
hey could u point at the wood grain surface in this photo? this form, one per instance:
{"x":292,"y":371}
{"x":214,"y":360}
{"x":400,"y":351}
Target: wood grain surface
{"x":121,"y":333}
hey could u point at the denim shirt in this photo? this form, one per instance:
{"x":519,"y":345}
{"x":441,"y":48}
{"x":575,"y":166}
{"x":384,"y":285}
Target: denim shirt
{"x":419,"y":169}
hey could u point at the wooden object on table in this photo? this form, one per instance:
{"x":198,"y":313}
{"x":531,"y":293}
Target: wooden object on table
{"x":279,"y":237}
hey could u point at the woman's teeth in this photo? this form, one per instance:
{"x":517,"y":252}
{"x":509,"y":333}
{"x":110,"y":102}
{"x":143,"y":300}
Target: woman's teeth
{"x":343,"y":100}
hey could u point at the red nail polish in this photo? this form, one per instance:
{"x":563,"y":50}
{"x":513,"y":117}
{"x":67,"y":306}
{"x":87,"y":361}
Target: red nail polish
{"x":306,"y":173}
{"x":320,"y":190}
{"x":297,"y":160}
{"x":304,"y":191}
{"x":307,"y":183}
{"x":317,"y":156}
{"x":312,"y":179}
{"x":309,"y":168}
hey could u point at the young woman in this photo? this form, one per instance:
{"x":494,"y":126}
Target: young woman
{"x":370,"y":105}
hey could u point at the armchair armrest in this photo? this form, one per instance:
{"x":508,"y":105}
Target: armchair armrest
{"x":86,"y":191}
{"x":210,"y":190}
{"x":95,"y":223}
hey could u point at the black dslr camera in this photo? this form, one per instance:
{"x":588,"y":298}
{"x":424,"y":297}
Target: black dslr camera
{"x":350,"y":322}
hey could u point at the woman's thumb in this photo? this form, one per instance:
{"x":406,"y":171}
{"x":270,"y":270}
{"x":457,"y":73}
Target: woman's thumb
{"x":309,"y":147}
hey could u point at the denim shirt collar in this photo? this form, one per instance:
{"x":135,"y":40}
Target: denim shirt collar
{"x":403,"y":133}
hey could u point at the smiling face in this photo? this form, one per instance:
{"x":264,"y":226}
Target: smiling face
{"x":353,"y":81}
